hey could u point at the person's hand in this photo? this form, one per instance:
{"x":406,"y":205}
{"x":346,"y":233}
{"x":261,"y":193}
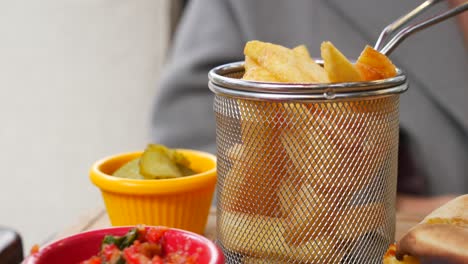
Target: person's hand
{"x":462,"y":19}
{"x":419,"y":205}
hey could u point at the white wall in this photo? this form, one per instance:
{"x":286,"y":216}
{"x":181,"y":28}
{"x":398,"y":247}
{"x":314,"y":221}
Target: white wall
{"x":77,"y":79}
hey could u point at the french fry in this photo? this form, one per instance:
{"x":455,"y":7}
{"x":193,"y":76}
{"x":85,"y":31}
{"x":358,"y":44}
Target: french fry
{"x":252,"y":235}
{"x":285,"y":64}
{"x":308,"y":216}
{"x":259,"y":131}
{"x":338,"y":67}
{"x":287,"y":195}
{"x":308,"y":66}
{"x":263,"y":152}
{"x":249,"y":190}
{"x":356,"y":220}
{"x":250,"y":64}
{"x":374,"y":65}
{"x":341,"y":159}
{"x":274,"y":63}
{"x":277,"y":59}
{"x":259,"y":163}
{"x":262,"y":237}
{"x":236,"y":153}
{"x":253,"y":72}
{"x":302,"y":51}
{"x":312,"y":216}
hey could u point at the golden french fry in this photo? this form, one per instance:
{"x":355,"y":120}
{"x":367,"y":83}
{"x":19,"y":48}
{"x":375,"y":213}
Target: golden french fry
{"x":249,"y":64}
{"x":338,"y":67}
{"x":374,"y":65}
{"x":343,"y":153}
{"x":253,"y":72}
{"x":236,"y":153}
{"x":306,"y":216}
{"x":262,"y":237}
{"x":252,"y":235}
{"x":259,"y":131}
{"x":243,"y":191}
{"x":260,"y":126}
{"x":277,"y":59}
{"x":251,"y":184}
{"x":302,"y":50}
{"x":310,"y":215}
{"x":286,"y":194}
{"x":309,"y":67}
{"x":314,"y":216}
{"x":285,"y":64}
{"x":356,"y":220}
{"x":274,"y":63}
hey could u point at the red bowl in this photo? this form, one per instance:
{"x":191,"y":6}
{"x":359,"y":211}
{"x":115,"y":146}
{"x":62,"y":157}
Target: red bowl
{"x":82,"y":246}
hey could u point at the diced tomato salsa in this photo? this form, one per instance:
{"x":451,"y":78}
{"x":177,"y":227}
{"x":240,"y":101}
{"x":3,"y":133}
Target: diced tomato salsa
{"x":139,"y":246}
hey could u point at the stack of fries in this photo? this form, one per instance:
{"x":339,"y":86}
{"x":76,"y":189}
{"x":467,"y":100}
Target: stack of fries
{"x":309,"y":192}
{"x":267,"y":62}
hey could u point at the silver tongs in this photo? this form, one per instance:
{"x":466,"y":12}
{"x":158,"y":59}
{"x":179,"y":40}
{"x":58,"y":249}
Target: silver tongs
{"x":398,"y":37}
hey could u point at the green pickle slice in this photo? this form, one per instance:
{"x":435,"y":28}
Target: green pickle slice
{"x":130,"y":170}
{"x":156,"y":162}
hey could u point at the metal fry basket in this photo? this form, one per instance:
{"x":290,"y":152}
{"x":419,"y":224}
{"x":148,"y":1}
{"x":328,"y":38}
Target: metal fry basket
{"x":306,"y":173}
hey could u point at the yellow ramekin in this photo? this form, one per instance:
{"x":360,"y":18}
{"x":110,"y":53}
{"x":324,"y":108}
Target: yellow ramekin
{"x":182,"y":203}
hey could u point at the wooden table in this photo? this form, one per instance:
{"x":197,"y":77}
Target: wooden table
{"x":97,"y":218}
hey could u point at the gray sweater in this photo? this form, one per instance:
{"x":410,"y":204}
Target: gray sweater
{"x":434,"y":116}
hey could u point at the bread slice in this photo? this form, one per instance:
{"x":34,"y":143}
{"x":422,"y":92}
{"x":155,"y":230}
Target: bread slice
{"x":443,"y":243}
{"x":455,"y":212}
{"x":441,"y":236}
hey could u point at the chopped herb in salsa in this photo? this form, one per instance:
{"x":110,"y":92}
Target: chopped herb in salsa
{"x":139,"y":246}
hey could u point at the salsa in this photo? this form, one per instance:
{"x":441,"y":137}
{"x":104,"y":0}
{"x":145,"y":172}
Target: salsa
{"x":139,"y":246}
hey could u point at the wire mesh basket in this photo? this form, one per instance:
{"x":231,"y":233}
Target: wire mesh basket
{"x":306,"y":173}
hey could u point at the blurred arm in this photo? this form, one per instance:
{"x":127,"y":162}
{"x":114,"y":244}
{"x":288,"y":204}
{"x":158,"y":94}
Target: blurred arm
{"x":462,"y":19}
{"x":207,"y":36}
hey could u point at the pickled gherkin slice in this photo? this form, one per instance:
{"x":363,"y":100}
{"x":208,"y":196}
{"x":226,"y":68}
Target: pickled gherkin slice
{"x":179,"y":158}
{"x":131,"y":170}
{"x":156,"y":162}
{"x":182,"y":162}
{"x":186,"y":171}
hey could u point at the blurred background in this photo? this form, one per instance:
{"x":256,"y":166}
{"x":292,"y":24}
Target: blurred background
{"x":77,"y":82}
